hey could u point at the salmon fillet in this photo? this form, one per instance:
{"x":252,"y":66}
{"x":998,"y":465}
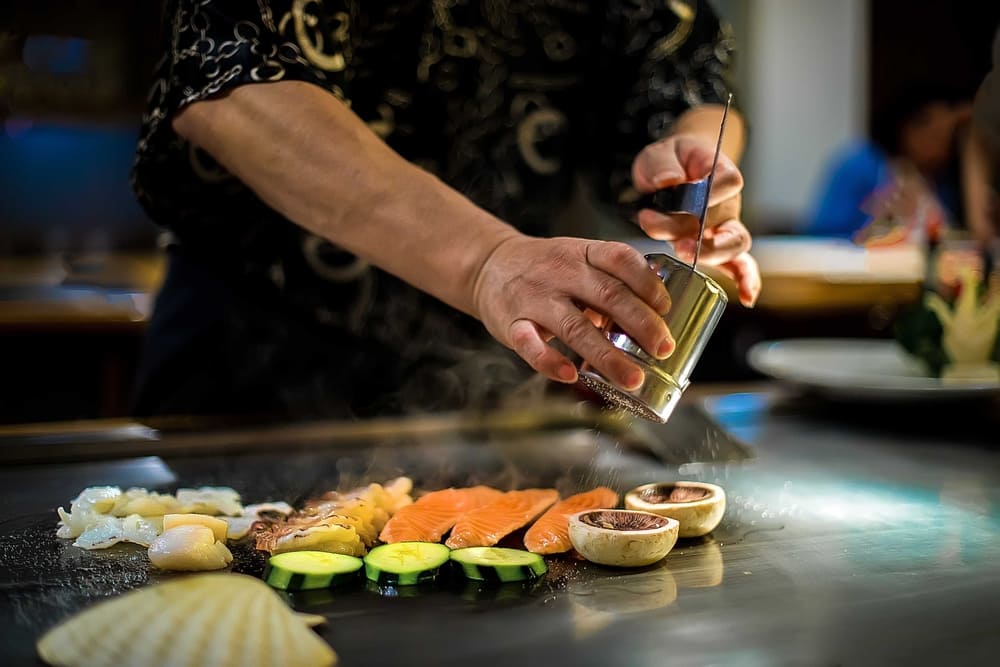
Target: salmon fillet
{"x":433,"y":514}
{"x":487,"y":525}
{"x":550,"y":534}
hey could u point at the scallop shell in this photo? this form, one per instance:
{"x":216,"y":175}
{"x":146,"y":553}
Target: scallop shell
{"x":208,"y":619}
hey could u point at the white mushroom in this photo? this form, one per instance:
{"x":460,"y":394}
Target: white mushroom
{"x":622,"y":538}
{"x":698,"y":506}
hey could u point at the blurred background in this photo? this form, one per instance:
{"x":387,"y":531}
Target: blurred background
{"x":79,"y":262}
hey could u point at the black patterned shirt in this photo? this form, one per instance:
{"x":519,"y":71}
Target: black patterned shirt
{"x":505,"y":100}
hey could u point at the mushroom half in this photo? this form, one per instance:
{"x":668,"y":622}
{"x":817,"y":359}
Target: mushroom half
{"x":698,"y":506}
{"x":622,"y":538}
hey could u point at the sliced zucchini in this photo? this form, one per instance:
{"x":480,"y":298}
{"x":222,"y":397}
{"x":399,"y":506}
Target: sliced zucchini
{"x":310,"y":570}
{"x":498,"y":564}
{"x":405,"y":563}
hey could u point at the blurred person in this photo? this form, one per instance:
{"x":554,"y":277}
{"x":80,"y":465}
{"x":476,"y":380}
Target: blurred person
{"x":915,"y":166}
{"x":985,"y":138}
{"x":355,"y":191}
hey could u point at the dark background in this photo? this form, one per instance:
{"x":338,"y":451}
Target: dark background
{"x":928,"y":42}
{"x":73,"y":79}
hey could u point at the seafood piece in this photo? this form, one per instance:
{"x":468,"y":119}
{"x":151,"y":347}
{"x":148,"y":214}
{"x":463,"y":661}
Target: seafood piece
{"x":487,"y":525}
{"x":189,"y":548}
{"x":210,"y":500}
{"x":144,"y":503}
{"x":346,"y":523}
{"x":550,"y":534}
{"x":213,"y":620}
{"x":239,"y":526}
{"x":105,"y":531}
{"x":218,"y":526}
{"x":434,"y":514}
{"x":322,"y":534}
{"x":84,"y":509}
{"x":362,"y":515}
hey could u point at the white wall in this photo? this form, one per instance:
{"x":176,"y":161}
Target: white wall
{"x":803,"y":77}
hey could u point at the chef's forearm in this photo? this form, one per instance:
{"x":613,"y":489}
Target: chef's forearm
{"x":704,"y":121}
{"x":314,"y":161}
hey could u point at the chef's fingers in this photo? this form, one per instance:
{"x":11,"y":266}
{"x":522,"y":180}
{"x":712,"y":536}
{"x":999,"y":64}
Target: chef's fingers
{"x":745,"y":272}
{"x":607,"y":294}
{"x":721,"y":244}
{"x":679,"y":226}
{"x":659,"y":166}
{"x":728,"y":181}
{"x":619,"y":261}
{"x":576,"y":331}
{"x":683,"y":159}
{"x":528,"y":340}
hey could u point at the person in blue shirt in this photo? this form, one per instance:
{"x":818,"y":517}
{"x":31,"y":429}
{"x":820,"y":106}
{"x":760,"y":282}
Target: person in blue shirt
{"x":914,"y":147}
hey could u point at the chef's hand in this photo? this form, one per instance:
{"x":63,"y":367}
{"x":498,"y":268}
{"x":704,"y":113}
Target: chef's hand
{"x":683,"y":158}
{"x":532,"y":290}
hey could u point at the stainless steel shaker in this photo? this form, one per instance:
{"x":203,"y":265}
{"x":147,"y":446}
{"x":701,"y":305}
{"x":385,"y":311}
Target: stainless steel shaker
{"x":697,"y":303}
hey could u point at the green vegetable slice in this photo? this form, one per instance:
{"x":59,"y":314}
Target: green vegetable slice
{"x":498,"y":564}
{"x":405,"y":563}
{"x":310,"y":570}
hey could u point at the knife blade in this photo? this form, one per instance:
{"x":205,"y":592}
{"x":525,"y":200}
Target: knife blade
{"x":708,"y":186}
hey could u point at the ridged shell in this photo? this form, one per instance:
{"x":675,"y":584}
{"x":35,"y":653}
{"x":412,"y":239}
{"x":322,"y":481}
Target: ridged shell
{"x":208,"y":619}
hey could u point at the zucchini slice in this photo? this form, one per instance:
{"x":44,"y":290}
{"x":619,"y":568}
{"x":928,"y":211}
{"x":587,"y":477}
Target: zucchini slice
{"x":310,"y":570}
{"x":498,"y":564}
{"x":405,"y":563}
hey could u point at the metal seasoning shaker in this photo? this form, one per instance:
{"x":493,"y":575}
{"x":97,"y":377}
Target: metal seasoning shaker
{"x":697,"y":303}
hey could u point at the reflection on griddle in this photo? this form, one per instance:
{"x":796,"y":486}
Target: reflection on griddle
{"x":598,"y":601}
{"x":696,"y":563}
{"x":514,"y":591}
{"x":391,"y":591}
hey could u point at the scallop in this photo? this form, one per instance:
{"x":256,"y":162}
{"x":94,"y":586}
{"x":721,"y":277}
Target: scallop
{"x":189,"y":548}
{"x":215,"y":620}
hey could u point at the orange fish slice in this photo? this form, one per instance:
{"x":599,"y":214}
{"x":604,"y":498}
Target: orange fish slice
{"x":433,"y":515}
{"x":487,"y":525}
{"x":550,"y":534}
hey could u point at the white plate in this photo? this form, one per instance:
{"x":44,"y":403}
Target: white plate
{"x":857,"y":369}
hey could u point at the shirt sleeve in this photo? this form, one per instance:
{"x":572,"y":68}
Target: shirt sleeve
{"x":210,"y":47}
{"x":662,"y":59}
{"x":215,"y":45}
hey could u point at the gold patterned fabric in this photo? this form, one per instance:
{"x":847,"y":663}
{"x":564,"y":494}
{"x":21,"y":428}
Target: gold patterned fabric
{"x":506,"y":100}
